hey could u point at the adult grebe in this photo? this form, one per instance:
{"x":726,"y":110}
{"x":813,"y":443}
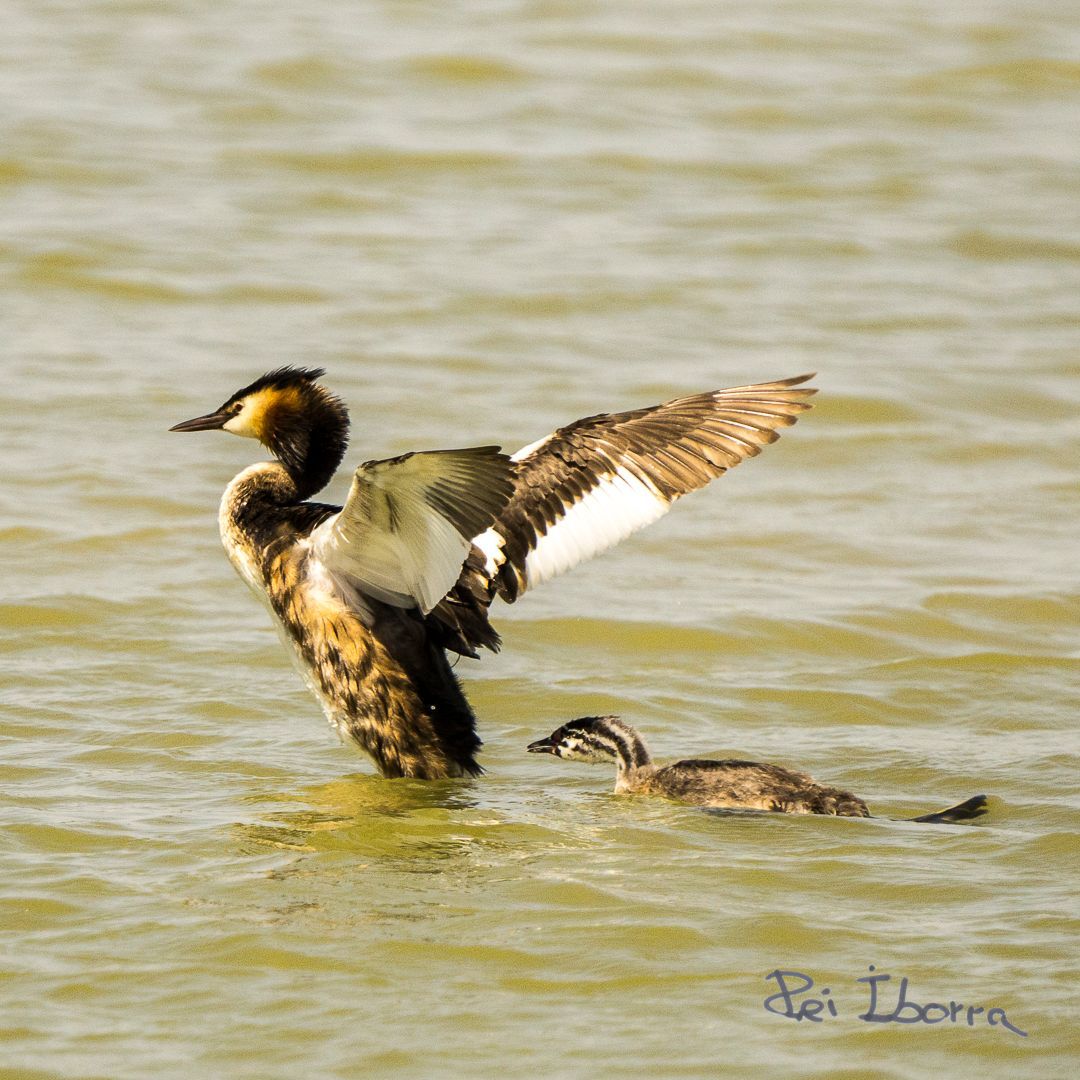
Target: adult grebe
{"x":732,"y":785}
{"x":370,"y":595}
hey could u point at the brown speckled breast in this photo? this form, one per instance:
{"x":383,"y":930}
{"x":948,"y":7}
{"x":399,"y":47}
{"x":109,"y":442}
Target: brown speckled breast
{"x":374,"y":668}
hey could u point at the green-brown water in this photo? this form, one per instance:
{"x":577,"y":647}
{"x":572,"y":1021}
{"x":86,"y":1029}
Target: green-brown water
{"x":486,"y":219}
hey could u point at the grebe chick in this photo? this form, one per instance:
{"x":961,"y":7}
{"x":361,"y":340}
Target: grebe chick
{"x":370,"y":596}
{"x":732,"y":785}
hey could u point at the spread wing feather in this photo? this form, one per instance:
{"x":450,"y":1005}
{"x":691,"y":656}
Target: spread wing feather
{"x":405,"y":530}
{"x":591,"y":484}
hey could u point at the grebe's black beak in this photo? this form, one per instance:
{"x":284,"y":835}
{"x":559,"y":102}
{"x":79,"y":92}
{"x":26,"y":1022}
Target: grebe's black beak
{"x":542,"y":746}
{"x":209,"y":422}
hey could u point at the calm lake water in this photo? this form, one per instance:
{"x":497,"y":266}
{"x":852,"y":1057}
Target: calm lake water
{"x":486,"y":219}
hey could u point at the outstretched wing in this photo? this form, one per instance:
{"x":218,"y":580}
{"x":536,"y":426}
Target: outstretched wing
{"x":405,"y":530}
{"x":591,"y":484}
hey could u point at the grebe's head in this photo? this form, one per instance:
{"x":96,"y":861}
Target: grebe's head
{"x":273,"y":402}
{"x":594,"y":739}
{"x":290,"y":413}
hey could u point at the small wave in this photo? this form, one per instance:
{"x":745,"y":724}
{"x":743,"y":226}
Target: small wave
{"x":999,"y":247}
{"x":1028,"y":75}
{"x":467,"y":69}
{"x":304,"y":73}
{"x":371,"y":160}
{"x":47,"y":616}
{"x":26,"y":534}
{"x":73,"y":271}
{"x":85,"y":273}
{"x":864,"y":411}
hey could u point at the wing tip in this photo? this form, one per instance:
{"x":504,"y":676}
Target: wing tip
{"x":776,"y":385}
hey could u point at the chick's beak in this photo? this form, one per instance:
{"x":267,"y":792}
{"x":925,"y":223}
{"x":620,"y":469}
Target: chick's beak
{"x":209,"y":422}
{"x":541,"y":746}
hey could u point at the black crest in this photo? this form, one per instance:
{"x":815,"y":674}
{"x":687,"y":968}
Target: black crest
{"x":280,"y":379}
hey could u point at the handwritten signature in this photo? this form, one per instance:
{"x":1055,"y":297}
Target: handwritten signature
{"x":793,"y":1000}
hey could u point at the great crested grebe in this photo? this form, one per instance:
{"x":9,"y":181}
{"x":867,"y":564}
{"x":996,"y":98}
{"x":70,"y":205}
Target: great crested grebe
{"x":371,"y":595}
{"x":732,"y":785}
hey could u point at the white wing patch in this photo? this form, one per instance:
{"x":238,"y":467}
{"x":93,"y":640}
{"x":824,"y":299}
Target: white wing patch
{"x":491,"y":544}
{"x":525,"y":451}
{"x":619,"y":505}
